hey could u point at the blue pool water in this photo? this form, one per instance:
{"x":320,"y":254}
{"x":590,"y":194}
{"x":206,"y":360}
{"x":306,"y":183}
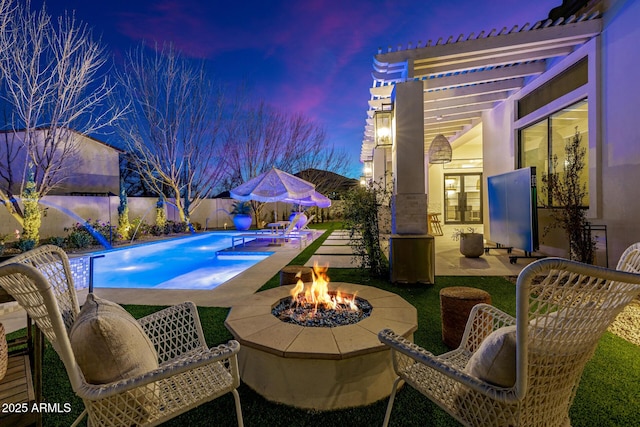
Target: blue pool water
{"x":184,"y":263}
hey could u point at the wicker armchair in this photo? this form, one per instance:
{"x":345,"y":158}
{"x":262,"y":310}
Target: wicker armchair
{"x":630,"y":259}
{"x":189,"y":372}
{"x":563,"y":308}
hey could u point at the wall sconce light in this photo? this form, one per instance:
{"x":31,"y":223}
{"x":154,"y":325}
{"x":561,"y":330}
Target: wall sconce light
{"x":382,"y":126}
{"x":368,"y":168}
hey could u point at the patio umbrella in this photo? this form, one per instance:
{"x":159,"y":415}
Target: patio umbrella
{"x":273,"y":186}
{"x":315,"y":199}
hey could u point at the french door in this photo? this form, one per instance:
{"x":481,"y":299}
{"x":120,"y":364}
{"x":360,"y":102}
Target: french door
{"x":463,"y":198}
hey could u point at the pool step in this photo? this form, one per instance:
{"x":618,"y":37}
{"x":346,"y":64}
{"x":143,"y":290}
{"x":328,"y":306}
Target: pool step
{"x":231,"y":254}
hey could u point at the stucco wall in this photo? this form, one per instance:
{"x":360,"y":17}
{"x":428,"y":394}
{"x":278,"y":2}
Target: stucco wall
{"x":96,"y":171}
{"x":94,"y":168}
{"x":64,"y":211}
{"x":497,"y":149}
{"x":620,"y":127}
{"x":614,"y":137}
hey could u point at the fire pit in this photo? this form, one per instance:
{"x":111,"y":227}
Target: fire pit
{"x":316,"y":306}
{"x":317,"y":366}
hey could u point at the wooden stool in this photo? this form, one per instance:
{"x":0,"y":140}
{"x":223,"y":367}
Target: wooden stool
{"x":288,"y":274}
{"x":456,"y":303}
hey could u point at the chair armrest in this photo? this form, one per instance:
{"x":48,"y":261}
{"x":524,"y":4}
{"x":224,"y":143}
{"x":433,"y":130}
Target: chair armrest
{"x":224,"y":354}
{"x":414,"y":351}
{"x":441,"y":365}
{"x":483,"y":319}
{"x":174,"y":331}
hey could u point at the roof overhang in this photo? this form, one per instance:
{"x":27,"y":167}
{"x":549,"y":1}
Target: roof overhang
{"x":465,"y":76}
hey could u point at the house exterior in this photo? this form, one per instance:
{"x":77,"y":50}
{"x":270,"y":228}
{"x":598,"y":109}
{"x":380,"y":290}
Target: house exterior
{"x":508,"y":99}
{"x":91,"y":167}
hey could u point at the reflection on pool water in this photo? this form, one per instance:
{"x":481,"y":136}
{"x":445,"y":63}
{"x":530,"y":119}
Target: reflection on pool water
{"x":184,"y":263}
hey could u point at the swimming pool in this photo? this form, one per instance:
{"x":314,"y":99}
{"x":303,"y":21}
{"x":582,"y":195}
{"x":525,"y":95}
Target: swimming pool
{"x":183,"y":263}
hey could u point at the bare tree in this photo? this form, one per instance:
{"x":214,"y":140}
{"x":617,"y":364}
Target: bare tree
{"x":52,"y":82}
{"x":173,"y":126}
{"x":326,"y":170}
{"x":259,"y":137}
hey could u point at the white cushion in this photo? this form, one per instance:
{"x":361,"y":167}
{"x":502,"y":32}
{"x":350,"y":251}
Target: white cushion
{"x":109,"y":344}
{"x":495,"y":359}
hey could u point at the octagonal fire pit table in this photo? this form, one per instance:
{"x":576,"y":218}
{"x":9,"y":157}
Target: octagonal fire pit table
{"x":321,"y":368}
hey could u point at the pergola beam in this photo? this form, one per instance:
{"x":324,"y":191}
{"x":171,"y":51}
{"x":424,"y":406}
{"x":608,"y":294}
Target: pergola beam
{"x":575,"y":33}
{"x":476,"y":89}
{"x":436,"y":108}
{"x":485,"y":76}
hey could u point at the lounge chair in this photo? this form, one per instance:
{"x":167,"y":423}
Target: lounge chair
{"x":159,"y":366}
{"x":525,"y":370}
{"x":289,"y":233}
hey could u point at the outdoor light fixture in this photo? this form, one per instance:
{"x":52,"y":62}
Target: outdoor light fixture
{"x":382,"y":123}
{"x":440,"y":150}
{"x":368,"y":168}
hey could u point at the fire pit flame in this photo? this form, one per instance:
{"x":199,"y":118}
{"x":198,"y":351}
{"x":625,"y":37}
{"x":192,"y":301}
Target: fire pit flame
{"x":318,"y":293}
{"x":314,"y":305}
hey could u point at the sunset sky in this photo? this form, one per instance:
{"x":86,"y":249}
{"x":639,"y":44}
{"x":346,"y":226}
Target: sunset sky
{"x":309,"y":56}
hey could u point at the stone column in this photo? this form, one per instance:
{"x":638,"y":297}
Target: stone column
{"x":410,"y":199}
{"x":412,"y":250}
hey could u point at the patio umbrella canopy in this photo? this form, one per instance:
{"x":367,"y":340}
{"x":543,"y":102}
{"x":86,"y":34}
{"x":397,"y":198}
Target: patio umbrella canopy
{"x":273,"y":186}
{"x":316,"y":199}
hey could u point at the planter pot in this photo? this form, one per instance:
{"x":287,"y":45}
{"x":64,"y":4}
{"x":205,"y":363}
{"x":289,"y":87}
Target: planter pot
{"x":471,"y":244}
{"x":242,"y":221}
{"x":301,"y":222}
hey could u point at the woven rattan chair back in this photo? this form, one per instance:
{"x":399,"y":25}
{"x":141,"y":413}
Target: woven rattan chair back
{"x":630,"y":259}
{"x":40,"y":281}
{"x":189,"y":372}
{"x":563,"y":308}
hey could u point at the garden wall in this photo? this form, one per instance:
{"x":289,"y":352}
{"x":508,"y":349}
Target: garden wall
{"x":60,"y":212}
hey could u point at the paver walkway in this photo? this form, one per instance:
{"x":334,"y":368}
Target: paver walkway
{"x":335,"y":252}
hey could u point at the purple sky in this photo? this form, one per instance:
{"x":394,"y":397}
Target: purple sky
{"x":309,"y":56}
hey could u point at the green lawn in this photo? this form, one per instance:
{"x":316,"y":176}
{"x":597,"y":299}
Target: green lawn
{"x":608,"y":394}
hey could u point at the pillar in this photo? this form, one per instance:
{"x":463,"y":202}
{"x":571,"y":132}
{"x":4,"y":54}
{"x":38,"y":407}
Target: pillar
{"x":409,"y":210}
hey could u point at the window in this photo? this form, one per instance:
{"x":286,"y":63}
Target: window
{"x":540,"y":142}
{"x":572,"y":78}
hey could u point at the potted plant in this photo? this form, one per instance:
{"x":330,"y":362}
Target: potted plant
{"x":471,"y":243}
{"x":241,"y":212}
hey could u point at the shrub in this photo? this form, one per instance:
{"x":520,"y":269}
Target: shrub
{"x":567,"y":191}
{"x":156,"y":230}
{"x":363,"y":206}
{"x":168,"y":226}
{"x":139,"y":228}
{"x":101,"y":228}
{"x":179,"y":227}
{"x":82,"y":235}
{"x":79,"y":239}
{"x":25,"y":244}
{"x":57,"y":241}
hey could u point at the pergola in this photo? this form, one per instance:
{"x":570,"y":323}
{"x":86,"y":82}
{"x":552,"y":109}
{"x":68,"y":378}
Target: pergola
{"x":464,"y":76}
